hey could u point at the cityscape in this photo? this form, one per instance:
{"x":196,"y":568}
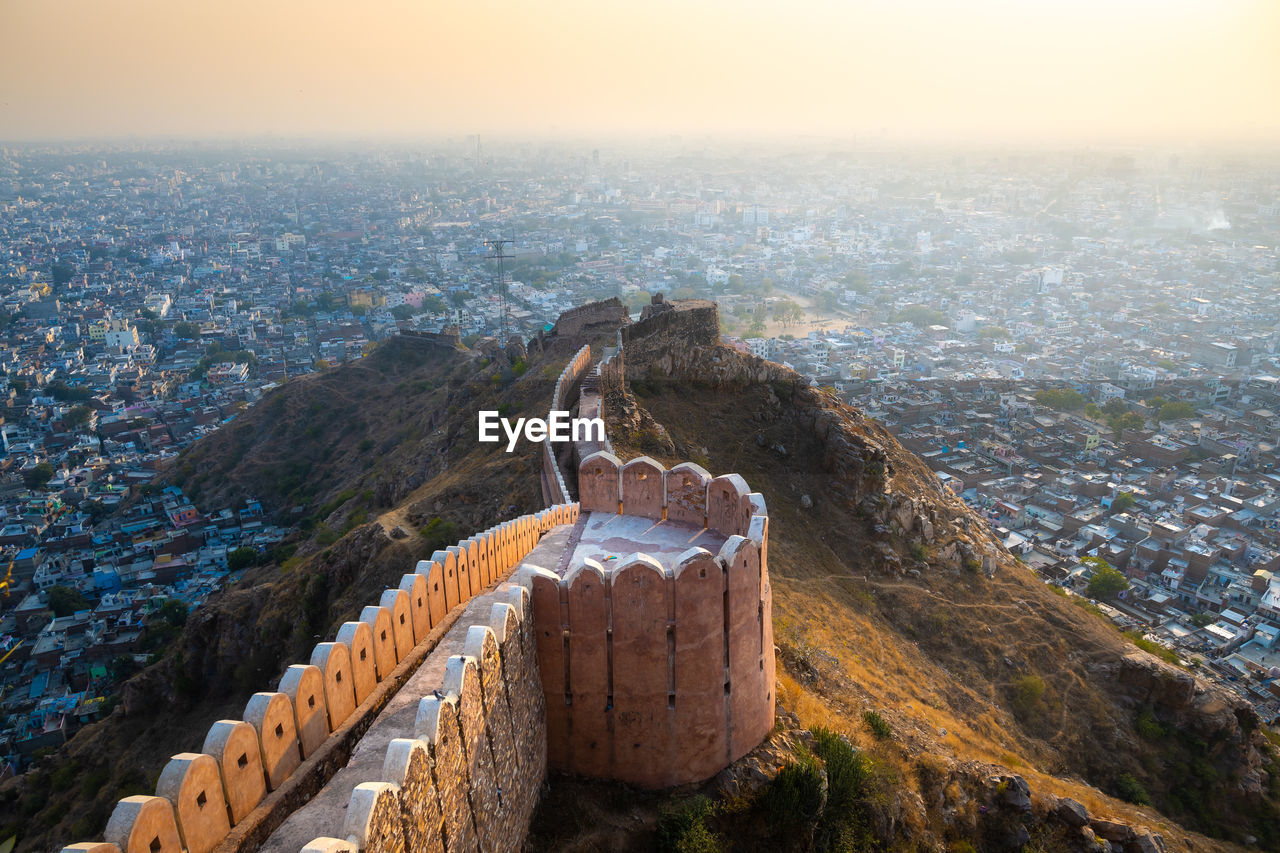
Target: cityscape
{"x":1082,"y":345}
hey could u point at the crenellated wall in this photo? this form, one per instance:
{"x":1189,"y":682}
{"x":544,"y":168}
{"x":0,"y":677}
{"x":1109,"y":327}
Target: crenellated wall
{"x":656,"y":674}
{"x":470,"y":774}
{"x":554,"y":488}
{"x":251,"y":773}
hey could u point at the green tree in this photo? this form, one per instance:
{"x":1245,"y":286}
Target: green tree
{"x":1061,"y":399}
{"x":786,"y":312}
{"x":1092,"y":412}
{"x":77,"y":417}
{"x":1115,"y":406}
{"x":402,"y":312}
{"x":241,"y":558}
{"x":1106,"y":581}
{"x":38,"y":476}
{"x":65,"y":600}
{"x":856,"y":281}
{"x":993,"y":333}
{"x":62,"y":274}
{"x":1175,"y":411}
{"x":920,"y":316}
{"x":1127,"y":421}
{"x":1122,"y":502}
{"x":186,"y":331}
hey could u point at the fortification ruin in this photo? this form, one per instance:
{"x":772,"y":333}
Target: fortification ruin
{"x":624,"y":636}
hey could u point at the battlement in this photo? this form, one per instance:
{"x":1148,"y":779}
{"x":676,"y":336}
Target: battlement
{"x":657,"y":670}
{"x":554,"y":488}
{"x":252,"y":774}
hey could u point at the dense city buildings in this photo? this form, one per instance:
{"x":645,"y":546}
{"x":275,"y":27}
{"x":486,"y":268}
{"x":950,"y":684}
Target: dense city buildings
{"x":1084,"y":346}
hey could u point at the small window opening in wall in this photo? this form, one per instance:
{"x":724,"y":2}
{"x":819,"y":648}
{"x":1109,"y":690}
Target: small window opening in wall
{"x":384,"y":636}
{"x":435,"y":587}
{"x":337,"y":676}
{"x":726,"y":688}
{"x":201,"y":799}
{"x":643,"y":475}
{"x":243,"y":761}
{"x":687,"y":482}
{"x":702,"y":573}
{"x":671,"y":701}
{"x":363,"y":654}
{"x":401,"y":618}
{"x":311,"y":701}
{"x":279,"y":730}
{"x":155,"y":844}
{"x":419,"y":602}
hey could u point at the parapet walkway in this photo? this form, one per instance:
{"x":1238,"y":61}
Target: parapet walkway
{"x":325,"y":814}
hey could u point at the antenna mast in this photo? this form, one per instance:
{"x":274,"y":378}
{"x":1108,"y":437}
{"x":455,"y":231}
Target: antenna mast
{"x":496,"y":247}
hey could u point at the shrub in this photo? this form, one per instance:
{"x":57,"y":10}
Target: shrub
{"x":794,"y":798}
{"x":1027,"y":692}
{"x":1147,"y":726}
{"x":1131,"y":790}
{"x":684,"y":829}
{"x":919,"y":553}
{"x":439,"y":533}
{"x":1165,"y":654}
{"x":877,"y":725}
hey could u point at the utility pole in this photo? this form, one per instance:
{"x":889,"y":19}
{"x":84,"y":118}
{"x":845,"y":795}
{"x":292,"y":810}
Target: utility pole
{"x":496,"y":253}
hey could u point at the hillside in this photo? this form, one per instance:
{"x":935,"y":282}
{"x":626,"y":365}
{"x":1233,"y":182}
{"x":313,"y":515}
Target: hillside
{"x":891,"y":598}
{"x":949,"y":696}
{"x":376,"y":464}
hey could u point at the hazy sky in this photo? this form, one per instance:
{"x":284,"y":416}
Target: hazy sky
{"x":922,"y":70}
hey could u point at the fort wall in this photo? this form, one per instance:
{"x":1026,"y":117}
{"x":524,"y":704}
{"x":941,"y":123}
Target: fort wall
{"x":692,"y":643}
{"x":554,"y":488}
{"x":252,"y":773}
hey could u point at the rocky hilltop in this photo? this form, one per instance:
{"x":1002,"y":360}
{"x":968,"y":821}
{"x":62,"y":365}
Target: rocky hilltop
{"x":933,"y":693}
{"x":894,"y":604}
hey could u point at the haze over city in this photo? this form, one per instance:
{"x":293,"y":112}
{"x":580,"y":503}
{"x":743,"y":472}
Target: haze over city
{"x":1012,"y":71}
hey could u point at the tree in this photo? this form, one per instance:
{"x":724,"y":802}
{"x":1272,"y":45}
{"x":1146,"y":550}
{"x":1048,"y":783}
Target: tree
{"x":993,"y":333}
{"x":1175,"y":411}
{"x":856,"y":281}
{"x":77,"y":417}
{"x":186,"y":331}
{"x":241,"y":558}
{"x":1127,"y":421}
{"x":1061,"y":399}
{"x":1092,"y":412}
{"x":402,"y":312}
{"x":920,"y":316}
{"x":38,"y":476}
{"x":1122,"y":502}
{"x":65,"y":600}
{"x":174,"y":612}
{"x":62,"y":274}
{"x":1115,"y":407}
{"x":787,"y":312}
{"x":1106,"y":582}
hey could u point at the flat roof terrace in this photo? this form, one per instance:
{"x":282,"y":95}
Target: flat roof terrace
{"x":608,"y":538}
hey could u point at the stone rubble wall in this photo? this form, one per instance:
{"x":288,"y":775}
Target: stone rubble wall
{"x":658,"y":676}
{"x":237,"y":788}
{"x":554,"y":488}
